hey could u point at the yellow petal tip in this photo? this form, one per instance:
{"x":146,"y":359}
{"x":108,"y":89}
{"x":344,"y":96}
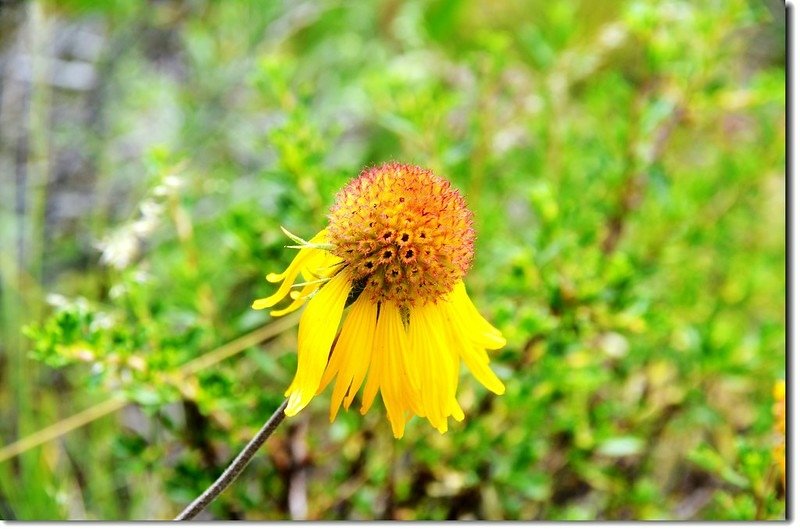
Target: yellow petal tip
{"x":494,"y":341}
{"x":295,"y":403}
{"x":259,"y":304}
{"x":495,"y":386}
{"x":281,"y":312}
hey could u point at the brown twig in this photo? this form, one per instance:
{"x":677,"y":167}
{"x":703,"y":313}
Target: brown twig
{"x":236,"y":467}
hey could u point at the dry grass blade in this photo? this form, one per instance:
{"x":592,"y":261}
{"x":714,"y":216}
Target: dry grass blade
{"x":113,"y":404}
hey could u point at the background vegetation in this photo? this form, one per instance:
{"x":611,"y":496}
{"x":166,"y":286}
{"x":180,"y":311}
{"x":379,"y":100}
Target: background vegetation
{"x":625,"y":161}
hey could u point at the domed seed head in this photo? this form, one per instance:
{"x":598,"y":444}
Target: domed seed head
{"x":404,"y":232}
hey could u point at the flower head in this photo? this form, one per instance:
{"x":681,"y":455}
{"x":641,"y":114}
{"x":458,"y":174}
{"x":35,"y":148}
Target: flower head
{"x":398,"y":244}
{"x":406,"y":234}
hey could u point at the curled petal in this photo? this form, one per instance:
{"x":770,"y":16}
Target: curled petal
{"x":318,"y":326}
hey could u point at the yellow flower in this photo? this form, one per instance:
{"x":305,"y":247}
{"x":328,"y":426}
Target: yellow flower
{"x":398,"y":243}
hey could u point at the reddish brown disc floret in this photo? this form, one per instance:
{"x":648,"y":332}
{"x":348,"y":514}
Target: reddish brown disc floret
{"x":404,"y":233}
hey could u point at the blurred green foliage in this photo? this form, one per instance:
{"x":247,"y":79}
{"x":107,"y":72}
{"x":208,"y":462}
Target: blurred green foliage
{"x":625,"y":162}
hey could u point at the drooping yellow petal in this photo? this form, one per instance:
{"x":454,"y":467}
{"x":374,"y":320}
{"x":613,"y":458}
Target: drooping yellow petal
{"x":479,"y":330}
{"x":453,"y":356}
{"x":474,"y":355}
{"x":446,"y":360}
{"x":321,"y":264}
{"x":456,"y":411}
{"x":351,"y":354}
{"x":419,"y":369}
{"x":482,"y":371}
{"x":318,"y":326}
{"x":298,"y":299}
{"x":373,"y":381}
{"x":316,"y":269}
{"x":390,"y":345}
{"x":363,"y":363}
{"x":320,"y":237}
{"x":434,"y":364}
{"x":386,"y":370}
{"x":300,"y":263}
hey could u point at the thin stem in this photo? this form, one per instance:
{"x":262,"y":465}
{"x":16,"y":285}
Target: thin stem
{"x":236,"y":467}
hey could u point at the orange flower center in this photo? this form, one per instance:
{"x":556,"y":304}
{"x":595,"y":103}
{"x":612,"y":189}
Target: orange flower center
{"x":405,"y":234}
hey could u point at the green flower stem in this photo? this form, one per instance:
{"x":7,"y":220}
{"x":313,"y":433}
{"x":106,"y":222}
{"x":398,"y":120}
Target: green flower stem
{"x":236,"y":467}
